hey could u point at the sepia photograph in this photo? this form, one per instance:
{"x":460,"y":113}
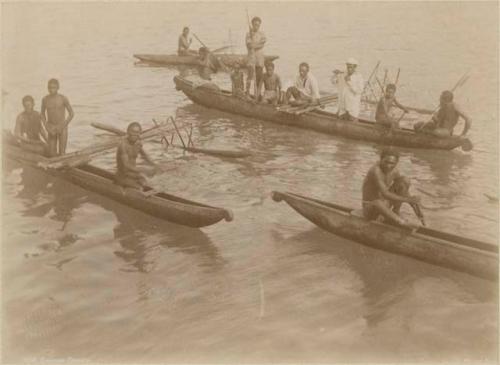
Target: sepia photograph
{"x":233,"y":182}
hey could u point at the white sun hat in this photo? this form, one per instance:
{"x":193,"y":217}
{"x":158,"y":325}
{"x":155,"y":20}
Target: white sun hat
{"x":352,"y":61}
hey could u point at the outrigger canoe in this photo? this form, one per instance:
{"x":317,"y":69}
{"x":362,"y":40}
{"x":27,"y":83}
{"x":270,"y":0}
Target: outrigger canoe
{"x":318,"y":120}
{"x":229,"y":60}
{"x":159,"y":204}
{"x":432,"y":246}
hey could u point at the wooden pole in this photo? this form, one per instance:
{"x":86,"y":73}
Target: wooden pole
{"x":198,"y":39}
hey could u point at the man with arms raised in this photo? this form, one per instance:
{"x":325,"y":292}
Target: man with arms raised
{"x":127,"y":173}
{"x":385,"y":189}
{"x":305,"y":90}
{"x":53,"y":112}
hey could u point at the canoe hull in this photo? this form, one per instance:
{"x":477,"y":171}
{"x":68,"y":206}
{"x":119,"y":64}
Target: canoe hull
{"x":229,"y":60}
{"x":319,"y":121}
{"x":473,"y":257}
{"x":160,"y":205}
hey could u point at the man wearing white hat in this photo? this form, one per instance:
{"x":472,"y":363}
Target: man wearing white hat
{"x":350,"y":86}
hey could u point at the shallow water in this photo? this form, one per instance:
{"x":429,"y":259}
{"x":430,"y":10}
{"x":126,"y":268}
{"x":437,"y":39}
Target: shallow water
{"x":85,"y":278}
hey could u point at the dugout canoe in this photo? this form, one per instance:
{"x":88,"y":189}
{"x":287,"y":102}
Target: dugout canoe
{"x":161,"y":205}
{"x":432,"y":246}
{"x":229,"y":60}
{"x":210,"y":96}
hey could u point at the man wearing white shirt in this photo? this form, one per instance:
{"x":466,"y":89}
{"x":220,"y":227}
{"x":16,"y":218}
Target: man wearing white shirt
{"x":351,"y":86}
{"x":305,"y":89}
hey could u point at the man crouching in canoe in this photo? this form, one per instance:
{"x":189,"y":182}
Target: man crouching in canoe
{"x":128,"y":174}
{"x":385,"y":189}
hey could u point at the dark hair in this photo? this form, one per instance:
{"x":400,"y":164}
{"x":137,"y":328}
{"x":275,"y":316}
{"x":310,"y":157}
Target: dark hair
{"x":305,"y":64}
{"x":269,"y":63}
{"x":389,"y":151}
{"x":28,"y":98}
{"x":447,"y":96}
{"x":256,"y":18}
{"x":390,"y":86}
{"x":53,"y":81}
{"x":184,"y":29}
{"x":203,"y":50}
{"x":133,"y":125}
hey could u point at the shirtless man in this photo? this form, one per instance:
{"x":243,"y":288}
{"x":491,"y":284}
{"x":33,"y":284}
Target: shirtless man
{"x":444,"y":121}
{"x":29,"y":123}
{"x":128,"y":174}
{"x":386,"y":102}
{"x":255,"y":41}
{"x":184,"y":44}
{"x":272,"y":85}
{"x":385,"y":189}
{"x":54,"y":119}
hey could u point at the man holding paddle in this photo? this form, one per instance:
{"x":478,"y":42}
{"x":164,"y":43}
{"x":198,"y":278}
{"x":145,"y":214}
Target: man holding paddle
{"x":255,"y":41}
{"x":185,"y":43}
{"x":445,"y":119}
{"x":127,"y":173}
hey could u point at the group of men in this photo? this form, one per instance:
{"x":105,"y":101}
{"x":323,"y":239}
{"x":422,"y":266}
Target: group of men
{"x":50,"y":125}
{"x":268,"y":87}
{"x":384,"y":188}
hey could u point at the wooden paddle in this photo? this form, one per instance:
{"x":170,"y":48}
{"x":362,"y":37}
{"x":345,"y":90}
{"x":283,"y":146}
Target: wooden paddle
{"x":221,"y":49}
{"x":254,"y":68}
{"x":198,"y":39}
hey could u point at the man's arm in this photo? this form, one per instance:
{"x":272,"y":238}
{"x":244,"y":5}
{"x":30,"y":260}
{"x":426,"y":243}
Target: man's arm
{"x":249,"y":41}
{"x":68,"y":107}
{"x":146,"y":157}
{"x":260,"y":44}
{"x":315,"y":90}
{"x":43,"y":133}
{"x":384,"y":189}
{"x":43,"y":110}
{"x":18,"y":129}
{"x":356,"y":85}
{"x":397,"y":104}
{"x":466,"y":118}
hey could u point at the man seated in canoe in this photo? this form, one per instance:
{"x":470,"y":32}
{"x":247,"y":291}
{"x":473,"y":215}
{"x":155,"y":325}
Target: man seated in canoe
{"x":128,"y":174}
{"x":351,"y":86}
{"x":29,"y":122}
{"x":272,"y":85}
{"x":306,"y":89}
{"x":184,"y":44}
{"x":209,"y":63}
{"x":445,"y":119}
{"x":386,"y":102}
{"x":385,"y":189}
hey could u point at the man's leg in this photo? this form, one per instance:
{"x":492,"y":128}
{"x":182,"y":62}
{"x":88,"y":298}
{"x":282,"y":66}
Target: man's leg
{"x":384,"y":209}
{"x":249,"y":78}
{"x":63,"y":141}
{"x":400,"y":187}
{"x":52,"y":144}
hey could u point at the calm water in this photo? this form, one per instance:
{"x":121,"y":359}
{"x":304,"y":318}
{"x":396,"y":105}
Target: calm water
{"x":86,"y":279}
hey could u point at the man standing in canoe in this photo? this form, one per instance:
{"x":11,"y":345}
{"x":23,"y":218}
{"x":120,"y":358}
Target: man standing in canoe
{"x":54,"y":107}
{"x":445,"y":119}
{"x":385,"y":189}
{"x":305,"y":90}
{"x":29,"y":122}
{"x":127,"y":173}
{"x":386,"y":102}
{"x":255,"y":41}
{"x":350,"y":87}
{"x":184,"y":44}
